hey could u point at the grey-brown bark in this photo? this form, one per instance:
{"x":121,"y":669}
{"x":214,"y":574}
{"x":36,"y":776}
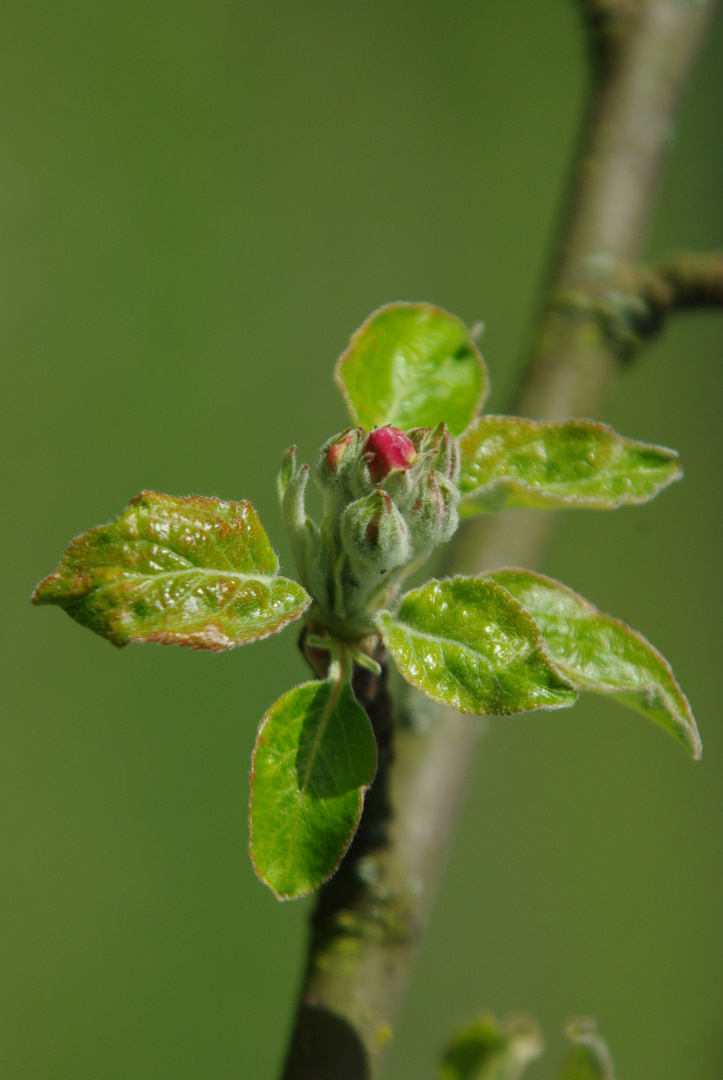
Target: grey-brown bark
{"x":371,"y":917}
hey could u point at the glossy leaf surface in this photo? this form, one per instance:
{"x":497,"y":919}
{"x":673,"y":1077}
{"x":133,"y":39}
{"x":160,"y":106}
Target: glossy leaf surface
{"x":589,"y":1058}
{"x":315,"y":755}
{"x":596,"y":652}
{"x":412,"y":365}
{"x":467,"y":643}
{"x":179,"y":571}
{"x":488,"y":1049}
{"x":508,"y":461}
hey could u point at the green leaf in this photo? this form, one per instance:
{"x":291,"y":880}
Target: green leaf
{"x":488,"y":1049}
{"x":179,"y":571}
{"x":412,"y":365}
{"x":466,"y":642}
{"x":589,"y":1058}
{"x":314,"y":757}
{"x":507,"y":461}
{"x":596,"y":652}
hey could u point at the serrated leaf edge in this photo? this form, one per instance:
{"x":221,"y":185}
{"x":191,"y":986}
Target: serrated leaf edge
{"x":199,"y":640}
{"x":693,"y":744}
{"x":466,"y":508}
{"x":207,"y":640}
{"x":540,"y":644}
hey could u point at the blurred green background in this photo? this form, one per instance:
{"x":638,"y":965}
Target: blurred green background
{"x":200,"y":203}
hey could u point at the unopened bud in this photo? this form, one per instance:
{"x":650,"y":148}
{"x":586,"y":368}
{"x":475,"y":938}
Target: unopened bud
{"x":446,"y":459}
{"x":433,"y":518}
{"x":374,"y":533}
{"x":417,"y":436}
{"x":439,"y":449}
{"x":386,"y":449}
{"x":337,"y":458}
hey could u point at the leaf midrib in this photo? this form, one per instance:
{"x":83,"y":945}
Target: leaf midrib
{"x":191,"y":569}
{"x":437,"y":639}
{"x":326,"y":713}
{"x":328,"y":708}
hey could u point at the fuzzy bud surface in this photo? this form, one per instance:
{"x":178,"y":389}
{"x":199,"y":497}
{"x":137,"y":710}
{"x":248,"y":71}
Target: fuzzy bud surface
{"x":375,"y":534}
{"x":337,"y":459}
{"x":433,"y":518}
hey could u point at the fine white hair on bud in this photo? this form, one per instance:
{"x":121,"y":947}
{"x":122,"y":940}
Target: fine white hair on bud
{"x":337,"y":460}
{"x":433,"y":518}
{"x":375,"y":534}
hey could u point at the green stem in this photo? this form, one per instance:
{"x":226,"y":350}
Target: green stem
{"x":372,"y":915}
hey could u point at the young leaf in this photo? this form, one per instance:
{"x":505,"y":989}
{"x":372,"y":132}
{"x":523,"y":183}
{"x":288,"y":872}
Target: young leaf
{"x":507,"y":461}
{"x":488,"y":1049}
{"x":412,"y":365}
{"x":589,"y":1058}
{"x":180,"y":571}
{"x":596,"y":652}
{"x":466,"y":642}
{"x":314,"y":757}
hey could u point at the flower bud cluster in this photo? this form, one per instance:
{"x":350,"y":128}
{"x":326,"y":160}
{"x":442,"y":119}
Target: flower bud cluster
{"x":389,"y":498}
{"x":395,"y":492}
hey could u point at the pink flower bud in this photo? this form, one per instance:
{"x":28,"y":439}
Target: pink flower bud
{"x":388,"y":448}
{"x":336,"y":450}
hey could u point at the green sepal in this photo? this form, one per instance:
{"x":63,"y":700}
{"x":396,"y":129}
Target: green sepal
{"x":302,"y":532}
{"x":508,"y":461}
{"x":329,"y":644}
{"x":412,"y":365}
{"x":365,"y":661}
{"x":466,"y":642}
{"x":489,"y":1049}
{"x":189,"y":571}
{"x":589,"y":1058}
{"x":287,"y":468}
{"x":315,"y":756}
{"x":599,"y":653}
